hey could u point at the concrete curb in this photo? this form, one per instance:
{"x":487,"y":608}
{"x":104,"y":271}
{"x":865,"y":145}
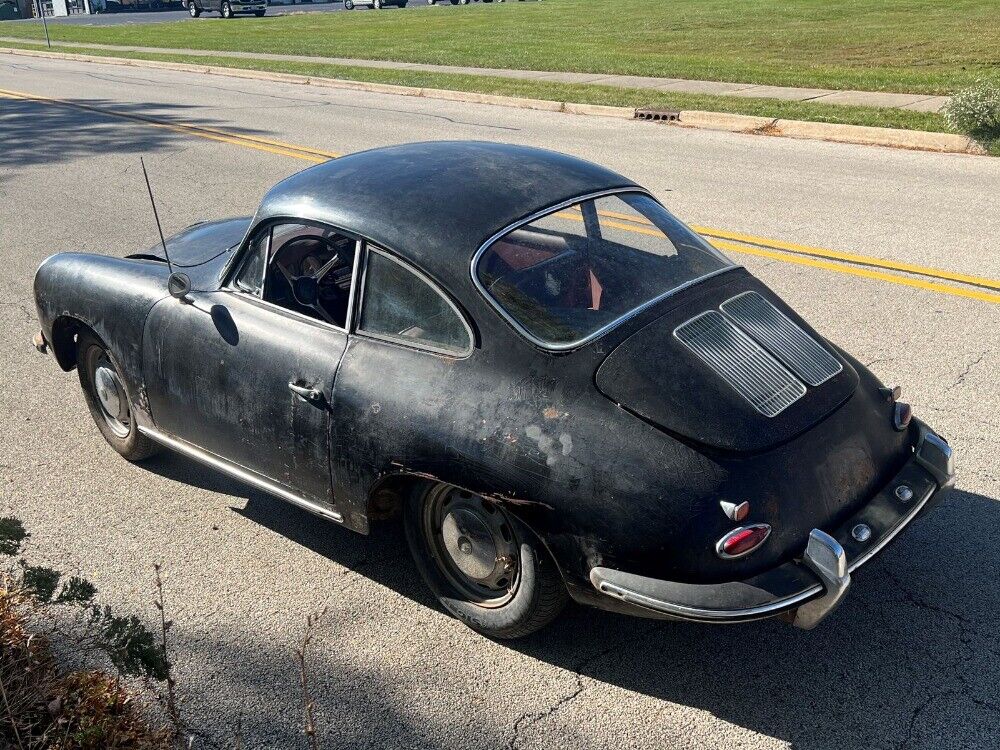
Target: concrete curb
{"x":733,"y":123}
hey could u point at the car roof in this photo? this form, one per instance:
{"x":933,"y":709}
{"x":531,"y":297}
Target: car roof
{"x":435,"y":203}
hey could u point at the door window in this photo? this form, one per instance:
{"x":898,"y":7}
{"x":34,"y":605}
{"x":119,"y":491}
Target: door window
{"x":304,"y":268}
{"x":401,"y":305}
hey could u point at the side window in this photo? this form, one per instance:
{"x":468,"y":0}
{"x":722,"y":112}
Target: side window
{"x":250,"y":277}
{"x":305,"y":268}
{"x":401,"y":306}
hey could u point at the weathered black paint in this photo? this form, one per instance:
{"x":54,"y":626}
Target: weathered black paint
{"x":629,"y":480}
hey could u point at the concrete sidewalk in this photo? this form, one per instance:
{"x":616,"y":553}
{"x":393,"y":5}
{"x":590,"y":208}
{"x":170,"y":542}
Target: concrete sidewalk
{"x":916,"y":102}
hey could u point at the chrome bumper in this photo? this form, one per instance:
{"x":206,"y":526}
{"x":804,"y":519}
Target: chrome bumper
{"x":814,"y":585}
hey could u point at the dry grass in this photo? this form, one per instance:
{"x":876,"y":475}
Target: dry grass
{"x":43,"y":707}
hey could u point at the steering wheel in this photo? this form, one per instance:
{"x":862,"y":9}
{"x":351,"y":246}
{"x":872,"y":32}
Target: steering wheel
{"x":305,"y":287}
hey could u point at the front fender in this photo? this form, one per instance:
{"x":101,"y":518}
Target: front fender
{"x":111,"y":296}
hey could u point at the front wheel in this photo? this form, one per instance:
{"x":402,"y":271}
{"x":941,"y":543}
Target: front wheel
{"x":259,"y":13}
{"x":227,"y":10}
{"x":193,"y":10}
{"x":484,"y":566}
{"x":348,"y":5}
{"x":108,"y":401}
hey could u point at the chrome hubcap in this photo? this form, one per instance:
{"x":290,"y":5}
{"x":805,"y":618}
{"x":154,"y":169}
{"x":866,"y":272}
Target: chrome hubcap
{"x":111,"y":396}
{"x":474,"y":544}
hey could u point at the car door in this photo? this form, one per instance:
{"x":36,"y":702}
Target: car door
{"x":246,"y":372}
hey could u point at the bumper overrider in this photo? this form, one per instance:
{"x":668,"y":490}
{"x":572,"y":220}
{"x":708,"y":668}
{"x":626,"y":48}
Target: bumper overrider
{"x":809,"y":588}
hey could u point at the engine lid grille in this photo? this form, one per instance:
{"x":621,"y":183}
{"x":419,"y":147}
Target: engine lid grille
{"x":739,"y":360}
{"x":796,"y":349}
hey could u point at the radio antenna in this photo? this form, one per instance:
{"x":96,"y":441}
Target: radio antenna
{"x":156,"y":216}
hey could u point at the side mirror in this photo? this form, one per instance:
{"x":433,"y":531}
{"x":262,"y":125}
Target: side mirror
{"x":178,"y":284}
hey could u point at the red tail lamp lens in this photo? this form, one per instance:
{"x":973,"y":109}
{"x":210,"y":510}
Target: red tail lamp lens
{"x":901,"y":415}
{"x":742,"y":541}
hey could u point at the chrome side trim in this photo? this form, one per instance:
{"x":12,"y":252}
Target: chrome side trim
{"x":238,"y":472}
{"x":569,"y":346}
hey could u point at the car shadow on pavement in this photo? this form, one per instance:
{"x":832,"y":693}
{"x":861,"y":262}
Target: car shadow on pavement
{"x":910,"y":660}
{"x":42,"y":132}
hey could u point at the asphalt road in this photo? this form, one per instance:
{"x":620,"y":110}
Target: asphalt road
{"x":162,"y":16}
{"x":911,"y":659}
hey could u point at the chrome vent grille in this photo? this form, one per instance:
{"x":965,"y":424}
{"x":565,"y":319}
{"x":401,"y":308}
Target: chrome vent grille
{"x":741,"y":362}
{"x":795,"y":348}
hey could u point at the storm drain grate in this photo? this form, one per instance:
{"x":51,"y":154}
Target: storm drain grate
{"x":795,"y":348}
{"x":657,"y":115}
{"x":741,"y":362}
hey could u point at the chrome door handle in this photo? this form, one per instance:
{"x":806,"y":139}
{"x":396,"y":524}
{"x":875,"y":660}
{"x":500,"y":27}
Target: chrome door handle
{"x":307,"y":394}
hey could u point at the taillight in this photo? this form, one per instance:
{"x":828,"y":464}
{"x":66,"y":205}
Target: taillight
{"x":742,"y":541}
{"x":901,"y":415}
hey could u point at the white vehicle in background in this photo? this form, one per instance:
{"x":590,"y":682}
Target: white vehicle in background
{"x":375,"y":4}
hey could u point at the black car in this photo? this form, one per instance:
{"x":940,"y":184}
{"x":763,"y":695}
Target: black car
{"x":226,"y":8}
{"x":559,"y":387}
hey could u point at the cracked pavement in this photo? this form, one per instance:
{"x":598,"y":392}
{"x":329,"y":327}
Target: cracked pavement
{"x":910,"y":660}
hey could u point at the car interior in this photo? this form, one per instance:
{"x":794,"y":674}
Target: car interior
{"x":314,"y":273}
{"x":561,"y":283}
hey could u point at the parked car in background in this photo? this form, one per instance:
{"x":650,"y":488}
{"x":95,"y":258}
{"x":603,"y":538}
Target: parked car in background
{"x":226,"y":8}
{"x":9,"y":10}
{"x":376,"y":4}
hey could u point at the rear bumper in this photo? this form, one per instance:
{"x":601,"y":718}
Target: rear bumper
{"x":808,"y":588}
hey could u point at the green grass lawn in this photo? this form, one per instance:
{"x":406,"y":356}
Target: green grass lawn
{"x":584,"y":93}
{"x":923,"y":46}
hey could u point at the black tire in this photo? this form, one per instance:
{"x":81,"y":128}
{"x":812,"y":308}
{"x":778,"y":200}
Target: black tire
{"x":377,"y":5}
{"x":227,"y":10}
{"x":348,"y":5}
{"x":131,"y":444}
{"x":193,"y":10}
{"x":259,"y":13}
{"x":536,"y":595}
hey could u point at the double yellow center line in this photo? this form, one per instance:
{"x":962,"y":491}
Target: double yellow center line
{"x":906,"y":274}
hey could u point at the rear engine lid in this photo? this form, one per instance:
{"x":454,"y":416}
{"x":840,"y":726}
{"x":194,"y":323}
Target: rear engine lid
{"x":734,"y":369}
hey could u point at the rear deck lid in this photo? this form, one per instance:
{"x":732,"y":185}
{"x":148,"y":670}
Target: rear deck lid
{"x":735,"y":369}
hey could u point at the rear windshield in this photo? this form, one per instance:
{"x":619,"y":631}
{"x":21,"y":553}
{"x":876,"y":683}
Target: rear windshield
{"x":572,"y":274}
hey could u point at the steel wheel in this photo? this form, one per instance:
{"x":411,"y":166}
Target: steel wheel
{"x":111,"y":396}
{"x":227,"y":10}
{"x":107,"y":398}
{"x":474,"y":544}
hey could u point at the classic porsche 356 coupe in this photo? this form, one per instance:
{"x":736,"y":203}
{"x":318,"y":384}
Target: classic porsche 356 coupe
{"x":562,"y":390}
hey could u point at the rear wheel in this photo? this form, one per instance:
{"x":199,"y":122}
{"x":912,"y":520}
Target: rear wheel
{"x":193,"y":10}
{"x":348,"y":5}
{"x":259,"y":13}
{"x":485,"y":567}
{"x":104,"y":391}
{"x":227,"y":10}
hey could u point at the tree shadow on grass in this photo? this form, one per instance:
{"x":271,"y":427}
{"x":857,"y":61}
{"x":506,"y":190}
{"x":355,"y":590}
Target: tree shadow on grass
{"x":911,"y":657}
